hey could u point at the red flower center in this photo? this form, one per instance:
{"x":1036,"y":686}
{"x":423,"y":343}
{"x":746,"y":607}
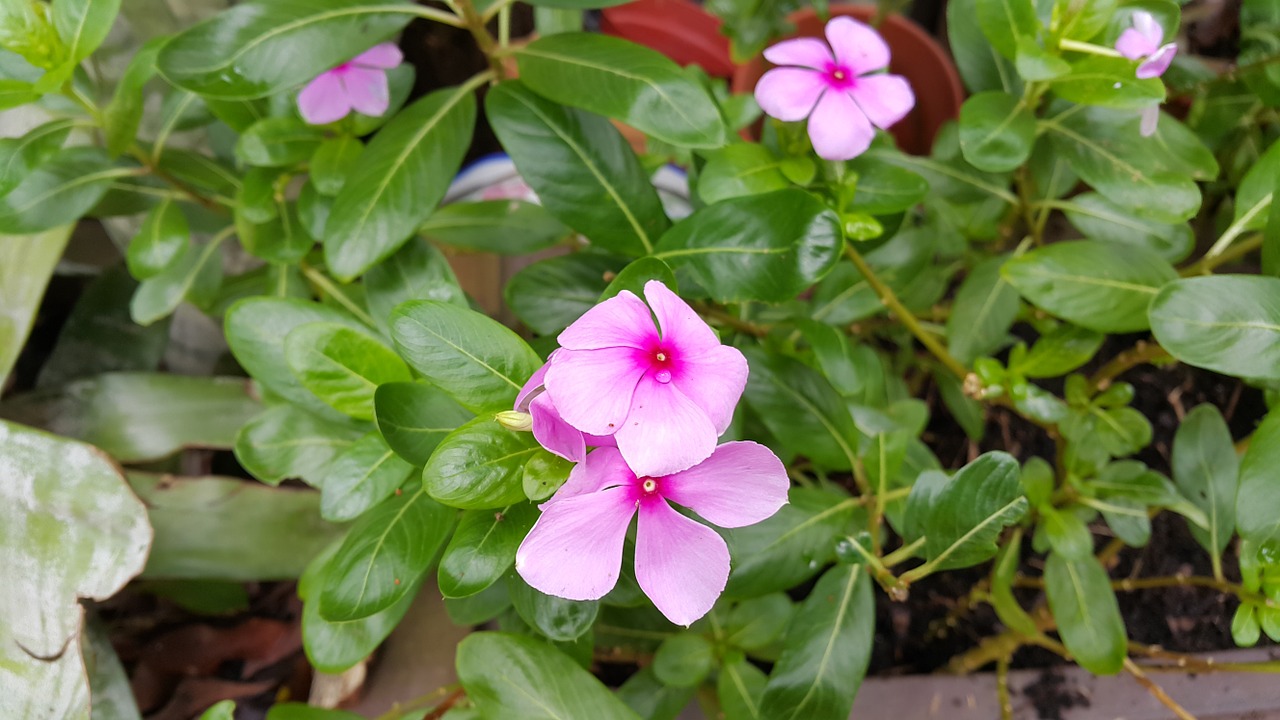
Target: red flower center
{"x":840,"y":77}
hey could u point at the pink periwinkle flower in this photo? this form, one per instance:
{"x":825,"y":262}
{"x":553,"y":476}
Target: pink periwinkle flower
{"x":574,"y":550}
{"x":359,"y":84}
{"x":664,"y":393}
{"x":1142,"y":42}
{"x":831,"y":86}
{"x":549,"y":428}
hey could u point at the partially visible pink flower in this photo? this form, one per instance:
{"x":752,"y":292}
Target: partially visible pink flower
{"x":1142,"y":42}
{"x":359,"y":84}
{"x":574,"y":550}
{"x":831,"y":86}
{"x":549,"y":429}
{"x":664,"y":396}
{"x":1150,"y":120}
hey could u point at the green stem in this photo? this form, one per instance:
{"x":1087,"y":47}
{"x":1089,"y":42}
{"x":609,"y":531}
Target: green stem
{"x":430,"y":13}
{"x":475,"y":24}
{"x":1237,"y":228}
{"x":1090,"y":48}
{"x":327,"y":286}
{"x":1238,"y":250}
{"x":892,"y":585}
{"x":902,"y":554}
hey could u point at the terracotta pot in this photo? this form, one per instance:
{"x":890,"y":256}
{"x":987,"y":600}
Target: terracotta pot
{"x":914,"y":55}
{"x":679,"y":29}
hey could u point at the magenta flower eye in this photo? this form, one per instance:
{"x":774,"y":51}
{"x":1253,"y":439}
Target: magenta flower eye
{"x":359,"y":84}
{"x":832,"y":84}
{"x":1142,"y":42}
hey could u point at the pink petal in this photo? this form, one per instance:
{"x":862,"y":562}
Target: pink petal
{"x":681,"y":565}
{"x":1133,"y":44}
{"x":857,"y":46}
{"x":553,"y":433}
{"x":620,"y":321}
{"x":714,"y":381}
{"x":603,"y":469}
{"x":665,"y":432}
{"x":838,"y":128}
{"x":1150,"y":120}
{"x":1155,"y":65}
{"x":574,"y":550}
{"x":533,"y":387}
{"x":1145,"y":23}
{"x":741,"y":484}
{"x":789,"y":94}
{"x":367,"y":89}
{"x":592,"y":389}
{"x":885,"y":99}
{"x":384,"y":55}
{"x":679,"y":323}
{"x":805,"y":52}
{"x":324,"y":99}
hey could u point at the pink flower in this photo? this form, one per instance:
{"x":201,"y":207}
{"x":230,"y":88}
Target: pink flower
{"x":359,"y":84}
{"x":1150,"y":120}
{"x":574,"y":550}
{"x":664,"y":396}
{"x":549,"y":429}
{"x":834,"y":91}
{"x":1142,"y":42}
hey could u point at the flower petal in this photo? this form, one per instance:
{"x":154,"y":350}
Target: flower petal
{"x":534,"y":386}
{"x":714,"y":381}
{"x":1146,"y":23}
{"x":367,"y":89}
{"x":592,"y":389}
{"x":805,"y":52}
{"x":741,"y":484}
{"x":789,"y":94}
{"x":324,"y":100}
{"x":620,"y":321}
{"x":885,"y":99}
{"x":682,"y":565}
{"x":1133,"y":44}
{"x":1155,"y":65}
{"x":383,"y":55}
{"x":574,"y":550}
{"x":603,"y":469}
{"x":1150,"y":120}
{"x":680,"y":325}
{"x":857,"y":46}
{"x":553,"y":433}
{"x":665,"y":432}
{"x":838,"y":128}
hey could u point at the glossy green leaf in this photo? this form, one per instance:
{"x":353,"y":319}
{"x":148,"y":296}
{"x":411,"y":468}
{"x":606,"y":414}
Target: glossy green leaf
{"x":26,"y":264}
{"x":536,"y":681}
{"x":984,"y":310}
{"x":1254,"y":195}
{"x":1259,"y":494}
{"x":221,"y":710}
{"x":883,"y":188}
{"x":550,"y":294}
{"x":1100,"y":219}
{"x":544,"y":474}
{"x":277,"y":142}
{"x":479,"y":466}
{"x":766,"y":247}
{"x":1005,"y":21}
{"x":398,"y":180}
{"x":483,"y":548}
{"x":981,"y":66}
{"x":256,"y":201}
{"x":1100,"y":286}
{"x":636,"y":274}
{"x":556,"y":618}
{"x":801,"y":409}
{"x":414,"y":417}
{"x":286,"y":441}
{"x":1036,"y":63}
{"x":303,"y":711}
{"x":1003,"y":602}
{"x":68,"y":512}
{"x":20,"y":155}
{"x":789,"y":547}
{"x":740,"y":170}
{"x":1067,"y":533}
{"x":363,"y":475}
{"x":333,"y":161}
{"x":480,"y":608}
{"x":624,"y":81}
{"x":966,"y":515}
{"x":1229,"y":324}
{"x":259,"y":48}
{"x":417,"y":272}
{"x":123,"y":114}
{"x":159,"y":242}
{"x":82,"y":25}
{"x":755,"y":623}
{"x":1108,"y":82}
{"x":385,"y":554}
{"x":1058,"y":352}
{"x":1207,"y":470}
{"x":506,"y":227}
{"x":827,"y":650}
{"x":1088,"y":615}
{"x":739,"y":687}
{"x":644,"y":693}
{"x":1246,"y":628}
{"x":194,"y":276}
{"x":581,"y":167}
{"x":58,"y":191}
{"x":480,"y":363}
{"x":684,"y":660}
{"x":342,"y":366}
{"x":996,"y":130}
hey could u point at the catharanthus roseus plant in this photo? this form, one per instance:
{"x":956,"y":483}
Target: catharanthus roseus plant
{"x":754,"y":371}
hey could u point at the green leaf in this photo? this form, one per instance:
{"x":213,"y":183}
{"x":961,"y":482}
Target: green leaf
{"x":363,"y":475}
{"x":766,"y":247}
{"x":398,"y":180}
{"x":483,"y":548}
{"x":159,"y":242}
{"x":256,"y":200}
{"x":1246,"y":628}
{"x":1035,"y":63}
{"x":1058,"y":352}
{"x":558,"y":619}
{"x":1229,"y":324}
{"x":997,"y":131}
{"x":1259,"y":494}
{"x":581,"y":167}
{"x":286,"y":441}
{"x":20,"y":155}
{"x":1100,"y":286}
{"x":238,"y":52}
{"x":303,"y":711}
{"x":1003,"y":601}
{"x":550,"y":294}
{"x":1207,"y":469}
{"x":479,"y":466}
{"x":984,"y":310}
{"x":1005,"y":21}
{"x":964,"y":518}
{"x":68,"y":513}
{"x":511,"y":676}
{"x":417,"y":272}
{"x":1100,"y":219}
{"x":740,"y":687}
{"x":981,"y":66}
{"x":1088,"y":615}
{"x":341,"y":366}
{"x":1253,"y":197}
{"x":756,"y":623}
{"x":414,"y":417}
{"x":789,"y":547}
{"x":385,"y":554}
{"x":1067,"y":533}
{"x":884,"y":189}
{"x":195,"y":276}
{"x":1107,"y":82}
{"x":624,"y":81}
{"x":480,"y":363}
{"x":634,"y":276}
{"x":108,"y":684}
{"x":26,"y":264}
{"x":58,"y":191}
{"x":14,"y":93}
{"x":226,"y":529}
{"x":644,"y":693}
{"x":333,"y":161}
{"x":222,"y":710}
{"x":480,"y":608}
{"x":801,"y":409}
{"x":83,"y":24}
{"x":506,"y":227}
{"x":740,"y":170}
{"x":277,"y":142}
{"x":827,"y":650}
{"x":121,"y":116}
{"x":683,"y":660}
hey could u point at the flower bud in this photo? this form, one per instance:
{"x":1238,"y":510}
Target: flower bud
{"x":513,"y":420}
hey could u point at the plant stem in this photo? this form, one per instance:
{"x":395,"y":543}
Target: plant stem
{"x":1156,"y":691}
{"x":431,"y":699}
{"x":1181,"y":662}
{"x":1002,"y":688}
{"x":1090,"y":48}
{"x":475,"y":24}
{"x":1207,"y":264}
{"x":903,"y":553}
{"x":435,"y":15}
{"x":892,"y":585}
{"x":327,"y":286}
{"x":1143,"y":351}
{"x":1237,"y":228}
{"x":1133,"y":585}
